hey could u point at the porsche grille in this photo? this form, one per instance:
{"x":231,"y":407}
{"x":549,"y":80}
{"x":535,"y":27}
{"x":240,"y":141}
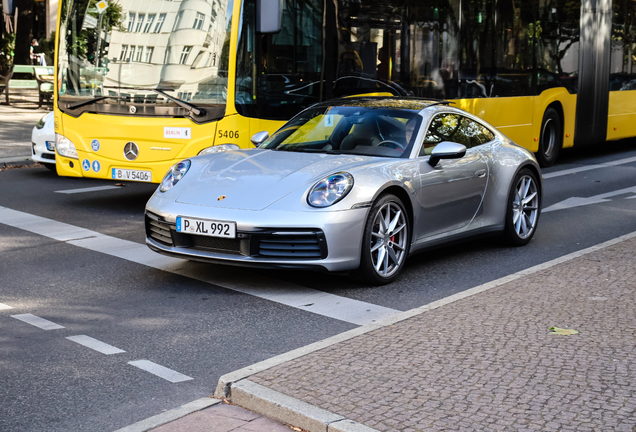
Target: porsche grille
{"x":158,"y":230}
{"x":303,"y":246}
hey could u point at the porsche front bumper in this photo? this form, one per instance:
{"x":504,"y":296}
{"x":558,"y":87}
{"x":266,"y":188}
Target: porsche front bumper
{"x":327,"y":240}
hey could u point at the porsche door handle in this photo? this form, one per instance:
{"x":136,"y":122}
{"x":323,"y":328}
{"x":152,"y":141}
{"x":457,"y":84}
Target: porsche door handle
{"x":481,"y":173}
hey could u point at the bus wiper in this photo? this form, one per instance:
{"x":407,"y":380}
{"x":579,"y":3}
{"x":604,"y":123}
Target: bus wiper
{"x":193,"y":109}
{"x":90,"y":101}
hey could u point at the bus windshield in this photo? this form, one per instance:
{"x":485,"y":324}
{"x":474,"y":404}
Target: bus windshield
{"x":114,"y":56}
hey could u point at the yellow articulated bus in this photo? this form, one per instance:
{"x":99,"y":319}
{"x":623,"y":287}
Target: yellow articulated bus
{"x":141,"y":85}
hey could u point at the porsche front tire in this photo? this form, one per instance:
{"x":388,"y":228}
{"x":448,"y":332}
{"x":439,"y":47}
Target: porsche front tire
{"x":385,"y":242}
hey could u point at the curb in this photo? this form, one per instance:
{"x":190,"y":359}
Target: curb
{"x":168,"y":416}
{"x":286,"y":409}
{"x":16,"y":161}
{"x":239,"y":390}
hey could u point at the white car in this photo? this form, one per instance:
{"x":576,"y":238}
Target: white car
{"x":43,"y":142}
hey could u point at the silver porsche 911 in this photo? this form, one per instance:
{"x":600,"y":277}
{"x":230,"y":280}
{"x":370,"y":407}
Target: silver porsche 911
{"x":353,"y":185}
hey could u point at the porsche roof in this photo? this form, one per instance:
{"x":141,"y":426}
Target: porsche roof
{"x":414,"y":104}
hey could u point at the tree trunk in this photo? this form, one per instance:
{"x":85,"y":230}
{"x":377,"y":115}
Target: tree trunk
{"x":24,"y":33}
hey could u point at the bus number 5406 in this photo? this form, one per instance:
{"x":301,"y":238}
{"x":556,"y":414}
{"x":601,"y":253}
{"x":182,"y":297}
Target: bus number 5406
{"x":228,"y":134}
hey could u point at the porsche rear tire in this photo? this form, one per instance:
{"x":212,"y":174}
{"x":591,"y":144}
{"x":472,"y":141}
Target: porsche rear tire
{"x":385,"y":242}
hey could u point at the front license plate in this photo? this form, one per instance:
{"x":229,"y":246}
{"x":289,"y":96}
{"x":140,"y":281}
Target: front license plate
{"x":50,"y":145}
{"x":211,"y":228}
{"x":132,"y":175}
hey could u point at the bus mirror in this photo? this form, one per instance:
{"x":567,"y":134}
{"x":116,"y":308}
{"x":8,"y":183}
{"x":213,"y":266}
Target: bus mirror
{"x":270,"y":16}
{"x":259,"y":138}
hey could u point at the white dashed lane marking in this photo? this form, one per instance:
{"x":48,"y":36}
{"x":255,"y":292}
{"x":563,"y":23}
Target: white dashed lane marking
{"x":89,"y":189}
{"x":37,"y":321}
{"x":307,"y":299}
{"x":588,"y":168}
{"x":160,"y":371}
{"x":4,"y":306}
{"x":95,"y":344}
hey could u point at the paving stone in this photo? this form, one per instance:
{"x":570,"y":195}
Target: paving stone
{"x":492,"y":356}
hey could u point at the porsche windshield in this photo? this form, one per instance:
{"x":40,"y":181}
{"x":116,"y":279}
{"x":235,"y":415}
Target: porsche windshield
{"x":349,"y":130}
{"x":115,"y":52}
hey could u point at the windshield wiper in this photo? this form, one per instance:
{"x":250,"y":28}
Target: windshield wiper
{"x":193,"y":109}
{"x":90,"y":101}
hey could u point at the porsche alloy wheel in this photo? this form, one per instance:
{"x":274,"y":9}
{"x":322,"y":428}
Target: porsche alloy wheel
{"x":386,"y":242}
{"x":523,"y":208}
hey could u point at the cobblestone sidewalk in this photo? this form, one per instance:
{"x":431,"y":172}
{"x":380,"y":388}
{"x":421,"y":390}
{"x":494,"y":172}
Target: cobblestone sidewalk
{"x":489,"y":362}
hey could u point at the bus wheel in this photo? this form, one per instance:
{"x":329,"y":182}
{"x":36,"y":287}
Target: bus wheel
{"x":551,"y":139}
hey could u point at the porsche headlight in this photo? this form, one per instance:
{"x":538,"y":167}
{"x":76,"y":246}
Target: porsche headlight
{"x":218,"y":148}
{"x":175,"y":174}
{"x":330,"y":190}
{"x":64,"y":147}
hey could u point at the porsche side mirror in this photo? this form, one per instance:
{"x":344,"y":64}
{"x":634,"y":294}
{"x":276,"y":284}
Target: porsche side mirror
{"x":446,"y":150}
{"x":259,"y":138}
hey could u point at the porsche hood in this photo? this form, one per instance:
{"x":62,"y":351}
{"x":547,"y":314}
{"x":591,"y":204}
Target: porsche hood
{"x":254,"y":179}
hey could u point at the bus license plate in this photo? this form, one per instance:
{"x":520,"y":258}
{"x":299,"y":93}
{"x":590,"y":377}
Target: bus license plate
{"x":132,"y":175}
{"x":210,"y":228}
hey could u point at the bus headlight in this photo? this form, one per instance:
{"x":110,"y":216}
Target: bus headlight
{"x":64,"y":147}
{"x":218,"y":148}
{"x":174,"y":174}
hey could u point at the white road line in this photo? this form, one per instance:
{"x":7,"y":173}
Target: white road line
{"x":88,"y":189}
{"x":37,"y":321}
{"x":95,"y":344}
{"x":589,"y":167}
{"x":160,"y":371}
{"x":307,"y":299}
{"x":4,"y":306}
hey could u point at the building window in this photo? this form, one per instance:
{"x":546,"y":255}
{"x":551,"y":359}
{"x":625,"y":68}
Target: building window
{"x":198,"y":21}
{"x":166,"y":57}
{"x":149,"y":51}
{"x":160,"y":21}
{"x":184,"y":54}
{"x":149,"y":22}
{"x":140,"y":52}
{"x":140,"y":22}
{"x":131,"y":56}
{"x":131,"y":21}
{"x":124,"y":50}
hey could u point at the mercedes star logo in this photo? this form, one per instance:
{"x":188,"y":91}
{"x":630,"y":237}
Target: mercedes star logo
{"x":131,"y":150}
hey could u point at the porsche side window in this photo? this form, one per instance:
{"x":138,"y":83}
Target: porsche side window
{"x":443,"y":127}
{"x":471,"y":133}
{"x":455,"y":128}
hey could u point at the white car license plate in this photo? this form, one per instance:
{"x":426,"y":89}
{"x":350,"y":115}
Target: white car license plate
{"x":50,"y":145}
{"x":132,"y":175}
{"x":211,"y":228}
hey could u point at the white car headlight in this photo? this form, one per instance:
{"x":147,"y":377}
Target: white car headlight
{"x":175,"y":174}
{"x":64,"y":147}
{"x":218,"y":148}
{"x":330,"y":190}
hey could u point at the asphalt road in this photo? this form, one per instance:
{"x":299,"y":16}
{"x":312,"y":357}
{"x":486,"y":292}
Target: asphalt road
{"x":197,"y":322}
